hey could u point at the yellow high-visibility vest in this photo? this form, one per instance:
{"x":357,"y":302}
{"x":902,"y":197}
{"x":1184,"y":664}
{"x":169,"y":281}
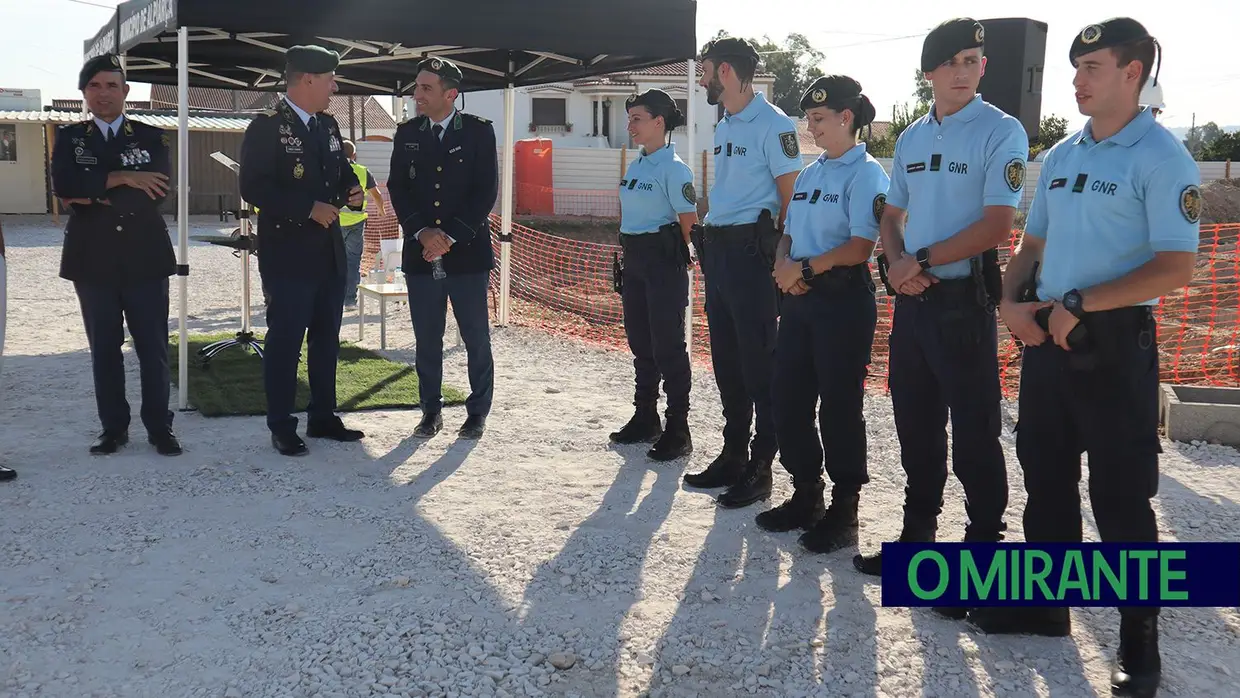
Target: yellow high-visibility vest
{"x":347,"y":216}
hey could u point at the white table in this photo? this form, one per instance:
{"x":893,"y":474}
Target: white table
{"x":382,"y":292}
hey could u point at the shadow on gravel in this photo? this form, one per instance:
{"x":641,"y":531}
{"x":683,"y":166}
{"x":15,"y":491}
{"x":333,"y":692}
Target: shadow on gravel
{"x":620,"y":534}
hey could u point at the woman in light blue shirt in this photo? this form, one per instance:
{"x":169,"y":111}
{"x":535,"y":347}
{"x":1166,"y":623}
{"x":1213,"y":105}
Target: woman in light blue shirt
{"x":826,"y":328}
{"x":658,"y":209}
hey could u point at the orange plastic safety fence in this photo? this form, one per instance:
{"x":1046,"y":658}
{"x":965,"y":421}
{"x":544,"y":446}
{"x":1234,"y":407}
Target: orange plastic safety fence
{"x":564,"y":287}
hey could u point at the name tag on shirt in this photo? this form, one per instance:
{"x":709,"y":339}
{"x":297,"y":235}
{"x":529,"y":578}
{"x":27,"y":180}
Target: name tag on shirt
{"x":454,"y":150}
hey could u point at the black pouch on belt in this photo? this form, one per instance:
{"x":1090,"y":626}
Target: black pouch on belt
{"x":881,"y":262}
{"x":617,"y":273}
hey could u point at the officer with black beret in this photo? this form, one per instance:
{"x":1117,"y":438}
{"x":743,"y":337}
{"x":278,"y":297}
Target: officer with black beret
{"x":826,"y":328}
{"x":757,"y":158}
{"x":112,"y":172}
{"x":294,"y":170}
{"x":957,"y":175}
{"x":658,"y":211}
{"x":1114,"y":223}
{"x":444,"y":181}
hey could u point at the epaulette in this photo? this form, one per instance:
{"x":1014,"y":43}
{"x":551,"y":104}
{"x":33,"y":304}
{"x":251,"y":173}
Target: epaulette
{"x":478,"y":118}
{"x":269,"y":112}
{"x":412,"y":119}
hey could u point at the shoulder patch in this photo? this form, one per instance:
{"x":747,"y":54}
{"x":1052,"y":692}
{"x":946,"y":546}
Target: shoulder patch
{"x":1014,"y":174}
{"x":688,"y":192}
{"x":1190,"y":203}
{"x":165,"y":140}
{"x":879,"y":204}
{"x":788,"y":141}
{"x":479,"y":118}
{"x":269,"y":112}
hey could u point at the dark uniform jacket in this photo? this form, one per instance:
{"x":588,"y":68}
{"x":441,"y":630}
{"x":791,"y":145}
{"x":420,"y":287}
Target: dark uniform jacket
{"x":451,"y":185}
{"x":125,"y":240}
{"x":284,"y":170}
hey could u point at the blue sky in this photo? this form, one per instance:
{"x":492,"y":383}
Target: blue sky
{"x":43,"y":44}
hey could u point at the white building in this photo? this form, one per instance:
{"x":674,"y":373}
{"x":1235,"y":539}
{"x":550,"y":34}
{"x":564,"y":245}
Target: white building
{"x":590,"y":113}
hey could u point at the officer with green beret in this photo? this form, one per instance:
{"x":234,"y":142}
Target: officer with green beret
{"x":1114,"y":223}
{"x":444,"y":181}
{"x":113,"y":173}
{"x":294,"y":170}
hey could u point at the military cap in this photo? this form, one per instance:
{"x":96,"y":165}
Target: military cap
{"x":948,"y":39}
{"x":659,"y":103}
{"x":445,"y":69}
{"x":832,"y":91}
{"x":108,"y":62}
{"x":730,"y":49}
{"x":311,"y":59}
{"x":1113,"y":32}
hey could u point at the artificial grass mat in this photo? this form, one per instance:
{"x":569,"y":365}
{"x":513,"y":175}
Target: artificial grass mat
{"x":232,"y":383}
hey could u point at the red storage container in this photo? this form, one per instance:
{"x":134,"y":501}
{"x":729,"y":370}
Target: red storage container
{"x":532,"y":177}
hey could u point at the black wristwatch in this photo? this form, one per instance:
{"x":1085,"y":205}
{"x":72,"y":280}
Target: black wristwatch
{"x":807,"y":271}
{"x":1073,"y":303}
{"x":923,"y":257}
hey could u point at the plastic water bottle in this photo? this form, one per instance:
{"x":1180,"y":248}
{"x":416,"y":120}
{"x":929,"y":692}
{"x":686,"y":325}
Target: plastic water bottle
{"x":437,"y":270}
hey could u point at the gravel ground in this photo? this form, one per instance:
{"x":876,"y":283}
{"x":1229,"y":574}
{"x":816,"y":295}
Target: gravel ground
{"x":539,"y":561}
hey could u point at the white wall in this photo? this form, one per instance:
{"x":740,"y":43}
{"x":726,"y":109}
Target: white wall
{"x":23,"y":184}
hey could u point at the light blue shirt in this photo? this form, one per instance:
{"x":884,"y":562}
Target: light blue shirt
{"x":110,"y":130}
{"x":305,"y":115}
{"x":1104,"y":208}
{"x":656,"y":189}
{"x":945,"y":174}
{"x":752,"y":148}
{"x":834,"y":201}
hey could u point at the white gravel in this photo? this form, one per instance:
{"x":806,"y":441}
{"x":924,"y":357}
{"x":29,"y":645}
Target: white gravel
{"x":539,"y":561}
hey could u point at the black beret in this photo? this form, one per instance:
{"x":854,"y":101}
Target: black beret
{"x":948,"y":39}
{"x":730,"y":49}
{"x":445,"y":69}
{"x":1113,"y":32}
{"x":108,"y":62}
{"x":832,"y":91}
{"x":315,"y":60}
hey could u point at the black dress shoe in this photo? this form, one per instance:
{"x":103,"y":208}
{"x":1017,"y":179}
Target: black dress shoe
{"x":109,"y":442}
{"x":429,"y":426}
{"x":724,"y":471}
{"x":7,"y":474}
{"x":165,"y":444}
{"x":289,"y":444}
{"x":754,"y":486}
{"x":1138,"y":665}
{"x":334,"y":430}
{"x":474,"y":426}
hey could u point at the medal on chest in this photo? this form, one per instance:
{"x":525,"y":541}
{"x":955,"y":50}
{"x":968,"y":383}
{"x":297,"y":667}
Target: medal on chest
{"x":299,"y":171}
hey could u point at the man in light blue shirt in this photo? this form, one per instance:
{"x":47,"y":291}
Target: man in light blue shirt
{"x":958,"y":173}
{"x":1114,"y":223}
{"x":826,"y":328}
{"x":658,"y":209}
{"x":757,"y":158}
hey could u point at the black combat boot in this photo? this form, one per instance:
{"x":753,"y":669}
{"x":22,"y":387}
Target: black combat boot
{"x":838,"y":527}
{"x":1048,"y":621}
{"x":754,"y":485}
{"x":1138,"y":666}
{"x":972,"y":534}
{"x":645,"y":426}
{"x":801,"y":512}
{"x":873,"y":564}
{"x":675,"y":442}
{"x":723,"y":471}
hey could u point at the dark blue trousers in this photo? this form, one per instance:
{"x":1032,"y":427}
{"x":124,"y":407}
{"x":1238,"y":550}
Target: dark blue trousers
{"x":656,"y":293}
{"x":823,"y":353}
{"x":301,"y":310}
{"x":944,"y":357}
{"x":428,"y":308}
{"x":106,"y":310}
{"x":742,"y":311}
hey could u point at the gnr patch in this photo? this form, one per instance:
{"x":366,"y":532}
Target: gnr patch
{"x":788,"y":141}
{"x":1190,"y":203}
{"x":879,"y":205}
{"x":688,"y":192}
{"x":1014,"y":174}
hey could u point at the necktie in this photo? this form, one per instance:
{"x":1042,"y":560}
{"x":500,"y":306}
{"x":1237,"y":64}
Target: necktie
{"x":438,"y":131}
{"x":314,"y":125}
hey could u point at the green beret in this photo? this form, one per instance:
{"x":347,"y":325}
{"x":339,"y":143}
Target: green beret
{"x":315,"y":60}
{"x":1113,"y":32}
{"x":108,"y":62}
{"x":445,"y":69}
{"x":730,"y":49}
{"x":832,"y":91}
{"x":949,"y":38}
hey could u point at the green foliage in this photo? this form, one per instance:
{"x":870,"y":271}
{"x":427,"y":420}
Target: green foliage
{"x":1201,"y":137}
{"x":1225,"y":147}
{"x":794,"y":63}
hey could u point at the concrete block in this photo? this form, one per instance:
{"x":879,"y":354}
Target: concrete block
{"x":1201,"y":413}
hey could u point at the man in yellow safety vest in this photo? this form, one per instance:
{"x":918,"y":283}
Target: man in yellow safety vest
{"x":353,"y":225}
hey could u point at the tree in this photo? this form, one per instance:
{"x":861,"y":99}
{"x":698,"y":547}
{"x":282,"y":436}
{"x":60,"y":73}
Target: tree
{"x":1051,"y":130}
{"x":794,"y":63}
{"x":1201,"y":137}
{"x":924,"y":91}
{"x":1225,"y":147}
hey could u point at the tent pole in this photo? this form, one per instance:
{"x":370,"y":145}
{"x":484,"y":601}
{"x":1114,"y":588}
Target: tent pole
{"x":691,"y":125}
{"x":505,"y":246}
{"x":183,"y":209}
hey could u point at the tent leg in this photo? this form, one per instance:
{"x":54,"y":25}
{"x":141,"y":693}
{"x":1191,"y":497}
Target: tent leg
{"x":505,"y":248}
{"x":691,"y":125}
{"x":183,"y":211}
